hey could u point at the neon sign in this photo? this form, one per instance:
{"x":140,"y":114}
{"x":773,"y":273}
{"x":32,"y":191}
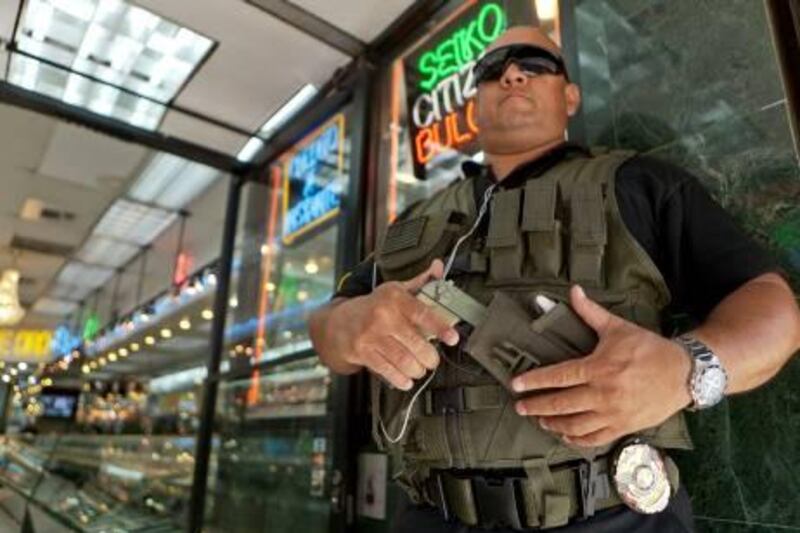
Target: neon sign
{"x":65,"y":341}
{"x":441,"y":86}
{"x":313,"y":178}
{"x":91,"y":327}
{"x":25,"y":344}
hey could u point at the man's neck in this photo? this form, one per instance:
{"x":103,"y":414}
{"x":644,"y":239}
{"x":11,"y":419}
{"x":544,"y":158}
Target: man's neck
{"x":503,"y":164}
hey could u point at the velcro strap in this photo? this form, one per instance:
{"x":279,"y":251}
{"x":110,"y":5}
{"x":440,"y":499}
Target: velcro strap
{"x":540,"y":205}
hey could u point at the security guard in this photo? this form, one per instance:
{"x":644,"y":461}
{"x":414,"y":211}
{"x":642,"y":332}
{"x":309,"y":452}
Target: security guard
{"x":549,"y":397}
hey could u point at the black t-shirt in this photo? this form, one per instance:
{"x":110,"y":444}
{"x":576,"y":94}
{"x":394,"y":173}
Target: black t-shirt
{"x":700,"y":251}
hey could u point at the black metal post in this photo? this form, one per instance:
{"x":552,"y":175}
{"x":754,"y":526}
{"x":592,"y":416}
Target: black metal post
{"x":206,"y":429}
{"x":142,"y":273}
{"x":343,"y":394}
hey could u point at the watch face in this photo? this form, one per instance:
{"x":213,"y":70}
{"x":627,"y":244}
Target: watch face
{"x":709,"y":385}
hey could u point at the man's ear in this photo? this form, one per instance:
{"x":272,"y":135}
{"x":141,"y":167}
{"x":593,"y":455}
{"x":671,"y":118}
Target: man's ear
{"x":572,"y":94}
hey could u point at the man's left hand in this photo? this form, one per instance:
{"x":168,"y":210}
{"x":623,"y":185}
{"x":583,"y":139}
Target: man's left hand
{"x":633,"y":380}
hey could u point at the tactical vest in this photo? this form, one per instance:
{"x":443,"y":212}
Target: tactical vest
{"x":559,"y":229}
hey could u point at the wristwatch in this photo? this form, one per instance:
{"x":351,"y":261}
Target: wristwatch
{"x":708,"y":379}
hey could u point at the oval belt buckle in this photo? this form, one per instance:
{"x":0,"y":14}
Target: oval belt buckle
{"x":640,"y":477}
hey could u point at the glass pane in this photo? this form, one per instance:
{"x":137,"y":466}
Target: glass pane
{"x":698,"y":84}
{"x":276,"y":436}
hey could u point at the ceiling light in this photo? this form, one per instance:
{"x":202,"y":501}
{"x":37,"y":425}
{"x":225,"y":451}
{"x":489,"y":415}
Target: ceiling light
{"x":233,"y":302}
{"x":133,"y":222}
{"x":207,"y":314}
{"x":85,"y":369}
{"x":287,"y":111}
{"x":149,"y":340}
{"x":47,"y":382}
{"x":271,"y":286}
{"x":100,"y":250}
{"x":302,"y":295}
{"x":22,"y":366}
{"x":113,"y":41}
{"x":123,"y":352}
{"x":112,"y":357}
{"x":11,"y":312}
{"x":134,"y":346}
{"x":312,"y":267}
{"x":6,"y":378}
{"x":80,"y":274}
{"x":185,"y":324}
{"x":102,"y":361}
{"x":14,"y":372}
{"x":172,"y":182}
{"x":278,"y":119}
{"x":31,"y":209}
{"x":166,"y":333}
{"x":250,"y":149}
{"x":93,"y":365}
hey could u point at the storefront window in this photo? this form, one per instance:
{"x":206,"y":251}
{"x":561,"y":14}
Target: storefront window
{"x":275,"y":427}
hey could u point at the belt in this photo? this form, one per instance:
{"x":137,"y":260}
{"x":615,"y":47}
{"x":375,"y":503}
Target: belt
{"x":513,"y":499}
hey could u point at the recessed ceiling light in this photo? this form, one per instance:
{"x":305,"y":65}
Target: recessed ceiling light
{"x":278,"y":119}
{"x":132,"y":51}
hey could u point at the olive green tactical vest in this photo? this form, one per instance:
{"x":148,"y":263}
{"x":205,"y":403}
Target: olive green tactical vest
{"x":557,"y":230}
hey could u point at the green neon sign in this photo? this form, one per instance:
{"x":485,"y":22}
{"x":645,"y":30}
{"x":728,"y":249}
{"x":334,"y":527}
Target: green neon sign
{"x":91,"y":327}
{"x":462,"y":46}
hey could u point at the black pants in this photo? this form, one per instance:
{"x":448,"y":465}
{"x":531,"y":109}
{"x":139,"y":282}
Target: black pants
{"x":676,"y":518}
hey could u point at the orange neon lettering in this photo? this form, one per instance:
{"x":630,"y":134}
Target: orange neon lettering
{"x":454,"y":136}
{"x":424,"y":145}
{"x":470,"y":114}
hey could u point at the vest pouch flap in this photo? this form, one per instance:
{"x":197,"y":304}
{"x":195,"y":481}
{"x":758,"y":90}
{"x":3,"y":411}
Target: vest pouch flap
{"x":562,"y":325}
{"x":505,"y":344}
{"x":410,"y":245}
{"x":541,"y":227}
{"x":504,"y":241}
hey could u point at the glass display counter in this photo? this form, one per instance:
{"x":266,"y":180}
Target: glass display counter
{"x":97,"y":483}
{"x":274,"y":458}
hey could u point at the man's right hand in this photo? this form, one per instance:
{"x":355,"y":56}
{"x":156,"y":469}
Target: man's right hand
{"x":385,"y":331}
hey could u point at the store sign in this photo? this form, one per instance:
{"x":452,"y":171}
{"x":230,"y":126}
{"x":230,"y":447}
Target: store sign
{"x":440,"y":86}
{"x":65,"y":340}
{"x":313,"y":176}
{"x":91,"y":327}
{"x":183,"y":265}
{"x":31,"y":345}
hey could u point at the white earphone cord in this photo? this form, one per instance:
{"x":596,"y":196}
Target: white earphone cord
{"x":407,"y":416}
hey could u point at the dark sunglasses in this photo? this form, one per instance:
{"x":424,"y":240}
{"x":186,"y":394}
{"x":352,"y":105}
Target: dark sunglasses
{"x":532,"y":60}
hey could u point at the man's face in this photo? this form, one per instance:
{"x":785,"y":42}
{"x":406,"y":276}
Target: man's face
{"x":520,"y":112}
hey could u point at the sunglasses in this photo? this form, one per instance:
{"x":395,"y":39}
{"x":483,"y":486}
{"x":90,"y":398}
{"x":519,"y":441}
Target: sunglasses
{"x":531,"y":60}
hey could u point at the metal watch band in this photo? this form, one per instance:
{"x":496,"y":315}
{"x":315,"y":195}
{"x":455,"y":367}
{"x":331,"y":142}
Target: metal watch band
{"x":708,"y":379}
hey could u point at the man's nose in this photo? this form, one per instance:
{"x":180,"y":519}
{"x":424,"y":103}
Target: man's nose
{"x":513,"y":77}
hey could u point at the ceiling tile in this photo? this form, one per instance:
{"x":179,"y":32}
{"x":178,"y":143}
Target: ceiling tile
{"x":350,"y":15}
{"x":8,"y":14}
{"x":82,"y":156}
{"x":183,"y":126}
{"x":24,"y":137}
{"x":49,"y":306}
{"x":258,"y":65}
